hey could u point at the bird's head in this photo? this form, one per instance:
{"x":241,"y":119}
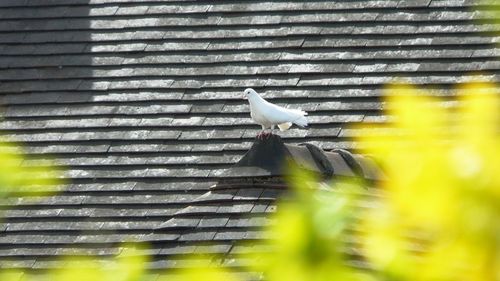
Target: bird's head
{"x":249,"y":93}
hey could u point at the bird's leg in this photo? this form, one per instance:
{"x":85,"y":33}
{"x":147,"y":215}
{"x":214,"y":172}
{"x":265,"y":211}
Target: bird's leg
{"x":264,"y":134}
{"x":268,"y":133}
{"x":271,"y":131}
{"x":261,"y":134}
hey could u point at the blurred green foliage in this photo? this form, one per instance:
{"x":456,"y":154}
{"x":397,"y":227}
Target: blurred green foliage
{"x":309,"y":240}
{"x":490,"y":14}
{"x":128,"y":266}
{"x":18,"y":177}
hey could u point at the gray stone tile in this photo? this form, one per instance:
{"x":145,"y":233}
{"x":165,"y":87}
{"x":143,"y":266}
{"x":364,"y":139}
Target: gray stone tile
{"x":198,"y":210}
{"x":249,"y":222}
{"x":207,"y":108}
{"x":230,"y":235}
{"x":213,"y":249}
{"x":201,"y":235}
{"x":211,"y":134}
{"x":178,"y":250}
{"x":215,"y":197}
{"x":235,"y":208}
{"x":213,"y":222}
{"x":175,"y":223}
{"x":248,"y":194}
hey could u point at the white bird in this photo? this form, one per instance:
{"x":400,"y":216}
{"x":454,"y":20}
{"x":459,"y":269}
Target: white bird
{"x":269,"y":115}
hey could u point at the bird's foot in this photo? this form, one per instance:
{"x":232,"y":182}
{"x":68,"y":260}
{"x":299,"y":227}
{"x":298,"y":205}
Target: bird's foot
{"x":264,"y":135}
{"x":259,"y":135}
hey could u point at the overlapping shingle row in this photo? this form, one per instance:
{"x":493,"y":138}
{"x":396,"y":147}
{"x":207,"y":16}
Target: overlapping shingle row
{"x":138,"y":103}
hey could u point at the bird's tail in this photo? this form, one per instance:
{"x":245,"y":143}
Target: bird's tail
{"x":285,"y":126}
{"x":301,"y":122}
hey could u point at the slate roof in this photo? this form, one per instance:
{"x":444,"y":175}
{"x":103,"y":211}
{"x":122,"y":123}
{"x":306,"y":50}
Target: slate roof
{"x":139,"y":104}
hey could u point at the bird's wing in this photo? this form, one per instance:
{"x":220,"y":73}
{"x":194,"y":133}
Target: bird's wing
{"x":277,"y":114}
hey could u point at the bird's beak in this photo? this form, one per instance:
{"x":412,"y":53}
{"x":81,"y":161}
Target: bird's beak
{"x":244,"y":97}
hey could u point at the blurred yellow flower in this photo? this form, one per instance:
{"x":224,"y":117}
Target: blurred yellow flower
{"x":444,"y":186}
{"x":200,"y":267}
{"x":129,"y":265}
